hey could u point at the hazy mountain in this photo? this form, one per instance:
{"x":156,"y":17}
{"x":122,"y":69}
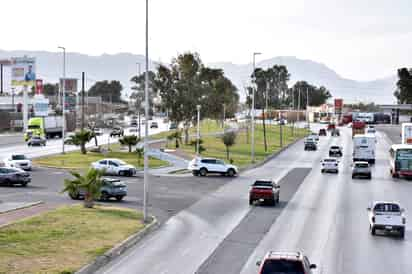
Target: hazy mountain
{"x":123,"y":66}
{"x":379,"y":91}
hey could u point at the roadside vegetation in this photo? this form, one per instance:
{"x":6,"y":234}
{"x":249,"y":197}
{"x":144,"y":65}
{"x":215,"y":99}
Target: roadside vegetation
{"x":65,"y":239}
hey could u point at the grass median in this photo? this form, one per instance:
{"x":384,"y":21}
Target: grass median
{"x":206,"y":127}
{"x":65,"y":239}
{"x":240,"y":153}
{"x":76,"y":160}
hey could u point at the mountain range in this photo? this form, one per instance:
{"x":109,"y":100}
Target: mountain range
{"x":123,"y":66}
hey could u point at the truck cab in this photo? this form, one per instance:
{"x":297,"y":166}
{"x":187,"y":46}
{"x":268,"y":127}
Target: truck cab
{"x":35,"y":128}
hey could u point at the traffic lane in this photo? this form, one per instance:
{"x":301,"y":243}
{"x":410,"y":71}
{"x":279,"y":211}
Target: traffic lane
{"x":299,"y":220}
{"x":206,"y":223}
{"x":7,"y":140}
{"x":231,"y":254}
{"x":167,"y":196}
{"x":393,"y":132}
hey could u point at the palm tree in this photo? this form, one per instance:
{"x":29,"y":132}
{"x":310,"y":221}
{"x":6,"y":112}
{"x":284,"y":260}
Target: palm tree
{"x":177,"y":136}
{"x":90,"y":183}
{"x":229,"y":139}
{"x":80,"y":138}
{"x":130,"y":141}
{"x":140,"y":153}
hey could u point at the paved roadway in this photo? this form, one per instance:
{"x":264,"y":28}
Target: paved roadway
{"x":323,"y":215}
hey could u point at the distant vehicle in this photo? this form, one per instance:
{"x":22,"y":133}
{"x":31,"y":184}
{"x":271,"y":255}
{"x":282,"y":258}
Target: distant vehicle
{"x":134,"y":123}
{"x":322,"y":132}
{"x":347,"y":118}
{"x":113,"y":166}
{"x":314,"y":136}
{"x":131,"y":131}
{"x":406,"y":133}
{"x":46,"y":127}
{"x":117,"y":131}
{"x":98,"y":131}
{"x":330,"y":165}
{"x":36,"y":141}
{"x":386,"y":216}
{"x":203,"y":166}
{"x":364,"y":148}
{"x":400,"y":160}
{"x":335,"y":151}
{"x":331,"y":126}
{"x":111,"y":188}
{"x":285,"y":263}
{"x":265,"y":191}
{"x":361,"y":169}
{"x":154,"y":125}
{"x":365,"y":117}
{"x":370,"y":130}
{"x":10,"y":176}
{"x":358,"y":128}
{"x":335,"y":132}
{"x":18,"y":161}
{"x":310,"y":144}
{"x":173,"y":125}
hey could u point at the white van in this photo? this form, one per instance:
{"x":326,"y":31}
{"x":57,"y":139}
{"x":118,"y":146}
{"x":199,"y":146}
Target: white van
{"x":364,"y":148}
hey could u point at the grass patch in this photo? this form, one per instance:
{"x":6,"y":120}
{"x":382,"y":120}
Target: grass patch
{"x":241,"y":151}
{"x":206,"y":126}
{"x":76,"y":160}
{"x":63,"y":240}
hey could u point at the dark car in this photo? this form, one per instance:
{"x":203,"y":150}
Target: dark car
{"x":36,"y":141}
{"x":173,"y":126}
{"x":14,"y":176}
{"x":285,"y":263}
{"x":335,"y":151}
{"x":310,"y":145}
{"x":154,"y":125}
{"x":264,"y":190}
{"x":117,"y":131}
{"x":335,"y":132}
{"x":111,"y":188}
{"x":322,"y":132}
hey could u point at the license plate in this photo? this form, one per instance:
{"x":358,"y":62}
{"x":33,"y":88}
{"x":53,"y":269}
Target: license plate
{"x":388,"y":227}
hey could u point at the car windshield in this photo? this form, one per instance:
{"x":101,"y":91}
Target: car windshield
{"x":334,"y":147}
{"x":120,"y":162}
{"x":386,"y":207}
{"x":329,"y":160}
{"x":18,"y":157}
{"x":262,"y":183}
{"x":362,"y":165}
{"x":282,"y":267}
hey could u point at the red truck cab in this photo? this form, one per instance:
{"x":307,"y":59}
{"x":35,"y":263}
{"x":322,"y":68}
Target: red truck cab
{"x":264,"y":190}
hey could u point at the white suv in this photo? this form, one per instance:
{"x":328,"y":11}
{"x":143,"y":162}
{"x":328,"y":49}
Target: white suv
{"x":386,"y":216}
{"x":203,"y":166}
{"x":18,"y":161}
{"x":112,"y":166}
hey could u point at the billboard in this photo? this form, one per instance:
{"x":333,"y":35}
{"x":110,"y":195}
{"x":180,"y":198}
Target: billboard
{"x":70,"y":85}
{"x":338,"y":106}
{"x":40,"y":106}
{"x":23,"y":71}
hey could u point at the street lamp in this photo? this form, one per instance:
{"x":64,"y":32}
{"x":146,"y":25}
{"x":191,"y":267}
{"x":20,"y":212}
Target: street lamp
{"x":253,"y":107}
{"x":198,"y":129}
{"x":138,"y":109}
{"x":146,"y":140}
{"x":63,"y":97}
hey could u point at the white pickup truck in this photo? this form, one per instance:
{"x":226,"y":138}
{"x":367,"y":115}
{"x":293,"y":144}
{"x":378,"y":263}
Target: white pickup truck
{"x":386,"y":216}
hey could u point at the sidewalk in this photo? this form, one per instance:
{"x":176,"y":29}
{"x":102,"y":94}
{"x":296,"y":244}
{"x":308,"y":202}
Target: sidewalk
{"x":177,"y":163}
{"x":17,"y":214}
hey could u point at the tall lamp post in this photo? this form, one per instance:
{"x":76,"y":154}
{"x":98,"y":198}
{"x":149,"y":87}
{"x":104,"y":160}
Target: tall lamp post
{"x":198,"y":129}
{"x":146,"y":143}
{"x":63,"y":97}
{"x":138,"y":109}
{"x":253,"y":108}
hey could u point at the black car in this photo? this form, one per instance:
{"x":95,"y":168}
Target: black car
{"x":154,"y":125}
{"x":335,"y":132}
{"x":116,"y":132}
{"x":14,"y":176}
{"x":335,"y":151}
{"x":322,"y":132}
{"x":310,"y":145}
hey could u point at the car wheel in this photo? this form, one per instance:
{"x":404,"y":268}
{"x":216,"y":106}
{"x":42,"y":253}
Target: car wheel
{"x":277,"y":199}
{"x":121,"y":173}
{"x":251,"y":201}
{"x":104,"y":196}
{"x":195,"y":173}
{"x":373,"y":231}
{"x":231,"y":172}
{"x":402,"y":233}
{"x":119,"y":198}
{"x":322,"y":171}
{"x":370,"y":176}
{"x":203,"y":172}
{"x":24,"y":184}
{"x":353,"y":176}
{"x":272,"y":202}
{"x":74,"y":196}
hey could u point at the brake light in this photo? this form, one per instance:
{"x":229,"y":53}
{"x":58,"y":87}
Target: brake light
{"x":373,"y":219}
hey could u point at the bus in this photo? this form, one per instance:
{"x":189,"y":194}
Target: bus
{"x":401,"y":160}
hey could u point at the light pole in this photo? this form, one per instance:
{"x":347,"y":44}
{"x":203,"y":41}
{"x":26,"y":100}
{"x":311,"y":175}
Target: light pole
{"x":63,"y":97}
{"x":138,"y":109}
{"x":253,"y":108}
{"x":198,"y":129}
{"x":224,"y":116}
{"x":146,"y":141}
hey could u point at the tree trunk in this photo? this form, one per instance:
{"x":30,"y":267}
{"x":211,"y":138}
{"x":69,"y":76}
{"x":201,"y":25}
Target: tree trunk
{"x":264,"y":130}
{"x":83,"y":148}
{"x":95,"y":140}
{"x":186,"y":135}
{"x":227,"y":152}
{"x":88,"y":201}
{"x":130,"y":148}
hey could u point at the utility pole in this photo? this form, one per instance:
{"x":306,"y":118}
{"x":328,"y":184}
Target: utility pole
{"x":298,"y":105}
{"x":1,"y":78}
{"x":307,"y":106}
{"x":224,"y":116}
{"x":63,"y":97}
{"x":253,"y":108}
{"x":146,"y":137}
{"x":82,"y":101}
{"x":138,"y":107}
{"x":198,"y":130}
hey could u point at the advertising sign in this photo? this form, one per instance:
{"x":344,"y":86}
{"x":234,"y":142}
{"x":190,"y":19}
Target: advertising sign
{"x":23,"y":71}
{"x":39,"y":86}
{"x":338,"y":106}
{"x":70,"y":85}
{"x":40,"y":106}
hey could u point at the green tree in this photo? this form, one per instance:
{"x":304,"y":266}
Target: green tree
{"x":80,"y":138}
{"x":139,"y":91}
{"x":90,"y":182}
{"x":317,"y":95}
{"x":109,"y":91}
{"x":229,"y":139}
{"x":130,"y":141}
{"x":403,"y":91}
{"x":140,"y":154}
{"x":176,"y":136}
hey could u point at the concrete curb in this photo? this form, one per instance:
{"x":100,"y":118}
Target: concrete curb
{"x":267,"y":159}
{"x":118,"y":250}
{"x":23,"y":207}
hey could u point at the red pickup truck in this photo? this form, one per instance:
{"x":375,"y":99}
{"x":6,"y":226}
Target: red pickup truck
{"x":264,"y":190}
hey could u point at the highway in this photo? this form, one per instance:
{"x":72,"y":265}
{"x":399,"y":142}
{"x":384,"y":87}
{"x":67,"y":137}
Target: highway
{"x":323,"y":215}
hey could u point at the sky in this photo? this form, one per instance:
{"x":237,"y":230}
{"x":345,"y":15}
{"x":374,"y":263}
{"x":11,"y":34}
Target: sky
{"x":359,"y":39}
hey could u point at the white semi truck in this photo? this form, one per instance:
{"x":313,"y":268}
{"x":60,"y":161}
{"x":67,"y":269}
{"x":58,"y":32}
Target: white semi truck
{"x":364,"y":146}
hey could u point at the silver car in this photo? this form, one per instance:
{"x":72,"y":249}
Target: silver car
{"x":36,"y":141}
{"x":361,"y":169}
{"x":14,"y":176}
